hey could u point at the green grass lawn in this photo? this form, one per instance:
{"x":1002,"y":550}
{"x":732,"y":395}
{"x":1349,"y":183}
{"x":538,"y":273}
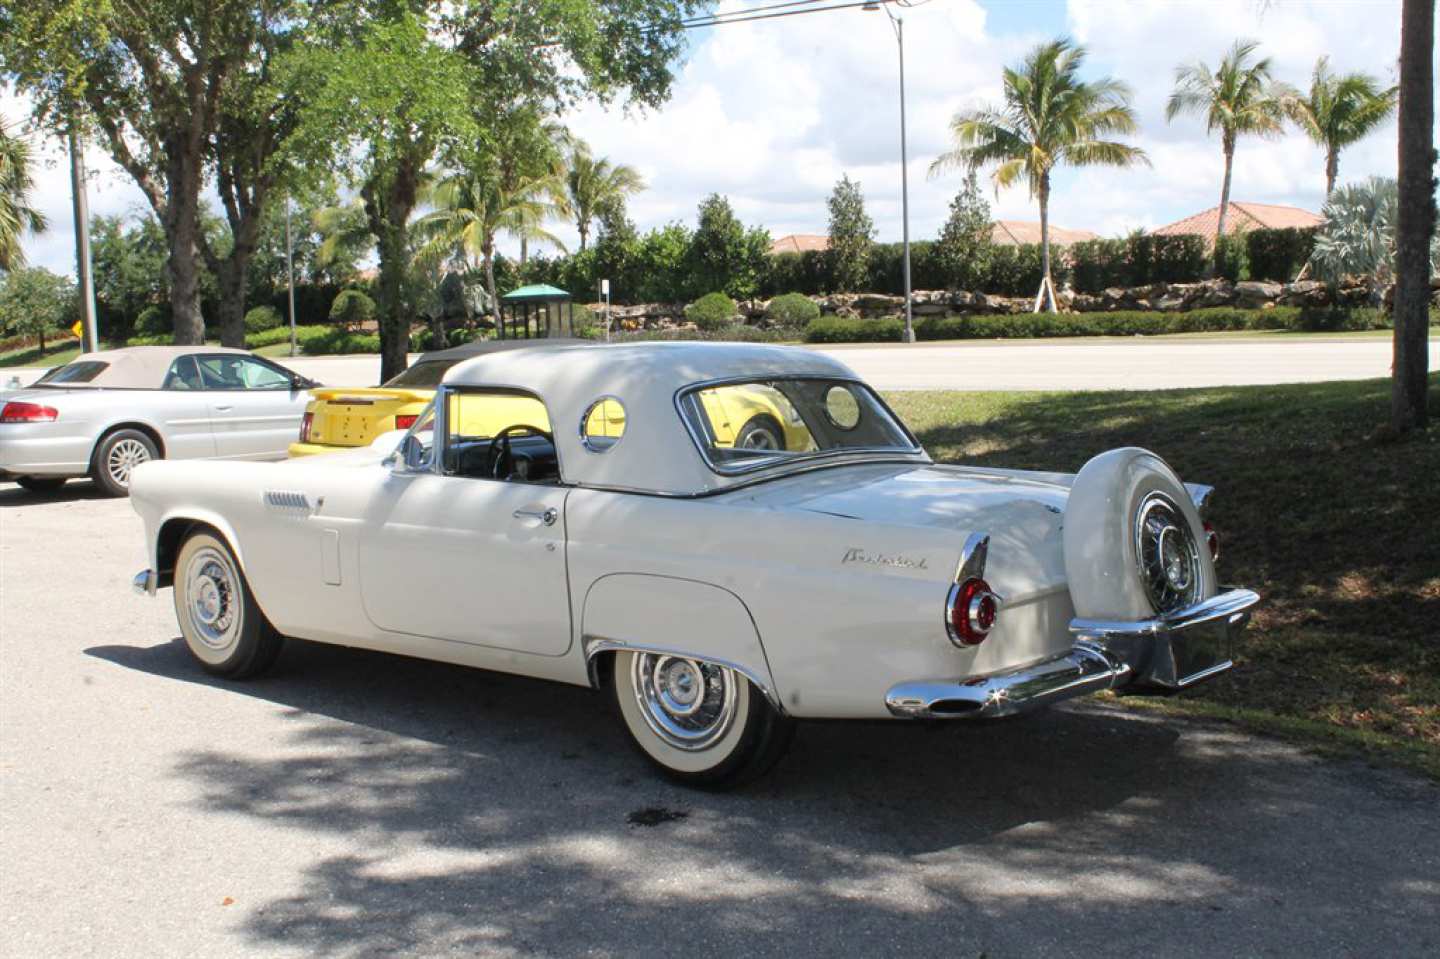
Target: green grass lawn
{"x":1339,"y":532}
{"x":54,"y":355}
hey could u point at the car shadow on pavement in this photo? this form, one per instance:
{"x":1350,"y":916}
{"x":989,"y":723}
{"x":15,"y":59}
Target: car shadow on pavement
{"x":497,"y":814}
{"x":13,"y":496}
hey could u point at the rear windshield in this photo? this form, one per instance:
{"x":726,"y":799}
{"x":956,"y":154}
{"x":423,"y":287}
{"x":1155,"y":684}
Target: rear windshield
{"x":82,"y":372}
{"x":764,"y":423}
{"x":425,"y":376}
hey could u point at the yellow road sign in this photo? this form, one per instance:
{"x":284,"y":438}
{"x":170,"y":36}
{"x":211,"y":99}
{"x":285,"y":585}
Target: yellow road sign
{"x":78,"y":329}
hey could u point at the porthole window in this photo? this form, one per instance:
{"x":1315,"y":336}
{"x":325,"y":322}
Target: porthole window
{"x":603,"y":424}
{"x":842,"y":408}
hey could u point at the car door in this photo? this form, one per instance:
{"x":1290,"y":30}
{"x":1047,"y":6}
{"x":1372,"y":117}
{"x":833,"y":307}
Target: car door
{"x":255,"y":406}
{"x":183,"y":408}
{"x":458,"y":556}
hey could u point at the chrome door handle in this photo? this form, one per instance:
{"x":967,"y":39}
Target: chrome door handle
{"x":223,"y":409}
{"x":547,"y":516}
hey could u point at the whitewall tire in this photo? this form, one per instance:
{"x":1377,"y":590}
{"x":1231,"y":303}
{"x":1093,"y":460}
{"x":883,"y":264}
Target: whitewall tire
{"x":701,"y":724}
{"x":1134,"y":543}
{"x":219,"y":619}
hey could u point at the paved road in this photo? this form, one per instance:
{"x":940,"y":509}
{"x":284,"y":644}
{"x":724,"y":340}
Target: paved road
{"x":360,"y":805}
{"x":1129,"y":363}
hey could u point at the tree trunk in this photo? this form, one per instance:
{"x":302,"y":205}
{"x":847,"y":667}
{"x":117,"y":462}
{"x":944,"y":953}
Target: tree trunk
{"x":490,"y":288}
{"x":389,"y":200}
{"x":1229,"y":148}
{"x":1332,"y":170}
{"x":1047,"y":285}
{"x":1415,"y":219}
{"x":182,"y":269}
{"x":524,"y":250}
{"x":584,"y":233}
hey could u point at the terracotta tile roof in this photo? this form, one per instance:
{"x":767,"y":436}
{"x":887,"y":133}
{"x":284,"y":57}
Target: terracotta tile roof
{"x":1242,"y":218}
{"x":1016,"y":232}
{"x":799,"y":243}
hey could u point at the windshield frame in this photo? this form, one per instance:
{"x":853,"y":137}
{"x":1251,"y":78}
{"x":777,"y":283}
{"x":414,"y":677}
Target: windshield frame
{"x":800,"y":461}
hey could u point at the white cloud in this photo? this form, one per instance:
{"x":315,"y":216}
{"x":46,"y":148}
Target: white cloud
{"x":771,"y":113}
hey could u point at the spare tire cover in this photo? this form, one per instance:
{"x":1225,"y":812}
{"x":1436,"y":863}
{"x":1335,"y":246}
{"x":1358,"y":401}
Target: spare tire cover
{"x":1102,"y":561}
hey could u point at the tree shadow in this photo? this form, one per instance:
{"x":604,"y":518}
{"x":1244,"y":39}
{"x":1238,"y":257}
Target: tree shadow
{"x":488,"y":813}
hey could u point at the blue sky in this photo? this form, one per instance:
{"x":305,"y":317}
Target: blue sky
{"x":772,"y":113}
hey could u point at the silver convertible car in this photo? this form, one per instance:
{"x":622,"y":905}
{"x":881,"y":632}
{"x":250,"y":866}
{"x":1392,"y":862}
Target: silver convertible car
{"x":103,"y":414}
{"x":577,"y":514}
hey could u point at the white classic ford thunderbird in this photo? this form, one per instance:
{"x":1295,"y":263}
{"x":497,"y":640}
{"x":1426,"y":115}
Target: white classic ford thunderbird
{"x":717,"y":591}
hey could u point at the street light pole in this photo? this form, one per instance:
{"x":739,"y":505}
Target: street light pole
{"x":898,"y":25}
{"x":290,"y":272}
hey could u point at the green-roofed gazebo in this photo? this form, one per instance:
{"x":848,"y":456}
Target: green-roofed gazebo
{"x":551,"y":309}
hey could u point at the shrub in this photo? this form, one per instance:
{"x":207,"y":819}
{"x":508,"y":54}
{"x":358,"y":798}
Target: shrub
{"x":1137,"y":260}
{"x":711,"y":312}
{"x":1177,"y":259}
{"x":351,"y":308}
{"x":154,"y":321}
{"x":832,"y":329}
{"x":1278,"y":254}
{"x":1016,"y":270}
{"x":325,"y":341}
{"x":734,"y":332}
{"x":1230,"y":258}
{"x":792,"y":310}
{"x":262,"y":318}
{"x":253,"y":341}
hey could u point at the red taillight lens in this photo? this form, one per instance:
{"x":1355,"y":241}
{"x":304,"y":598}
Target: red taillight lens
{"x":970,"y":612}
{"x":17,"y":412}
{"x":1212,"y":542}
{"x":305,"y":425}
{"x":403,"y":421}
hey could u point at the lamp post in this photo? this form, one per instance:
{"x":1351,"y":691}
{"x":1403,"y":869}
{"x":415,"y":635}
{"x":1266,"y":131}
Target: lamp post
{"x":898,"y":25}
{"x":89,"y":340}
{"x":290,"y":272}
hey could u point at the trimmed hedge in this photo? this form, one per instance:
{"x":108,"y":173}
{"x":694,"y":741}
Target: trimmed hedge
{"x":1137,"y":260}
{"x":1120,"y":323}
{"x":792,"y":309}
{"x":1278,"y":254}
{"x":262,"y":318}
{"x":713,"y":311}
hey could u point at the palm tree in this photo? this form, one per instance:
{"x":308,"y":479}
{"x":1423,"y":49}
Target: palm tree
{"x":1338,"y":111}
{"x":472,"y":207}
{"x":17,"y":216}
{"x":1237,"y":98}
{"x":591,"y":183}
{"x":1050,"y":117}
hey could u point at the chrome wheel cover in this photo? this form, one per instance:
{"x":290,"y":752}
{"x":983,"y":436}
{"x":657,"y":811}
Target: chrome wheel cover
{"x":1167,"y":554}
{"x":213,"y":598}
{"x":760,"y":439}
{"x":688,"y":703}
{"x":122,"y":459}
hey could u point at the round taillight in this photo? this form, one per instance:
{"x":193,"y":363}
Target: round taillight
{"x":970,"y":612}
{"x":1212,"y":542}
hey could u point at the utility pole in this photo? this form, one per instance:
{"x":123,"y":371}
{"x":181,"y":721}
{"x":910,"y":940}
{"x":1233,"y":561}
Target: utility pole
{"x":89,"y":341}
{"x":898,"y":25}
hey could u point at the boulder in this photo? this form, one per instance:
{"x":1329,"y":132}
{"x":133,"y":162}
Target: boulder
{"x":877,"y":304}
{"x":1305,"y":293}
{"x":1257,"y":293}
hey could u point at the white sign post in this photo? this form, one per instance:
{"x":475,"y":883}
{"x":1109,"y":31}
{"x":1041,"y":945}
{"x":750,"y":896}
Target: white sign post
{"x":605,"y":296}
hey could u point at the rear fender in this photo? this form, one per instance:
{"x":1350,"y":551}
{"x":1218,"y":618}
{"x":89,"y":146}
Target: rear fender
{"x":683,"y":617}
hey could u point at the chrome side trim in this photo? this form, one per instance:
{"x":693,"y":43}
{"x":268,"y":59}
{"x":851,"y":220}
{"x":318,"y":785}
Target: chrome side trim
{"x":1083,"y":670}
{"x":595,"y":645}
{"x":145,"y":582}
{"x":973,"y":556}
{"x":1184,"y":648}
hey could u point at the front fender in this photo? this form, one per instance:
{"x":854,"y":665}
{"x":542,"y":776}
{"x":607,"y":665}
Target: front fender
{"x":667,"y":614}
{"x":156,"y":477}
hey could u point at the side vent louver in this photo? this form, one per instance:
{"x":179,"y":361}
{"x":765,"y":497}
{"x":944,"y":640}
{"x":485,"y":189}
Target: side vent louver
{"x":288,"y":501}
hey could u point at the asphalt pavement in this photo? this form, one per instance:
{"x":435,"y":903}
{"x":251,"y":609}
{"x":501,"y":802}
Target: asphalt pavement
{"x":1108,"y":363}
{"x":355,"y":804}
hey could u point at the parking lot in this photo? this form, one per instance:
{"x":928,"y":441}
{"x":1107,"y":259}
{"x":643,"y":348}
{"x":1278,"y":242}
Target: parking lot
{"x":354,"y":804}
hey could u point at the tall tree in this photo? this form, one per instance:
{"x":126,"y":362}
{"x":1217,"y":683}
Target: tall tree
{"x":1339,"y":110}
{"x":150,"y":80}
{"x":17,"y":182}
{"x":963,"y":248}
{"x":590,"y":183}
{"x":1050,"y":117}
{"x":472,"y":208}
{"x":852,"y":233}
{"x":1415,"y":219}
{"x":35,"y":302}
{"x":1238,"y":98}
{"x":723,"y":256}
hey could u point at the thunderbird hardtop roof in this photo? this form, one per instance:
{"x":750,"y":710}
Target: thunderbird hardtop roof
{"x":656,"y":453}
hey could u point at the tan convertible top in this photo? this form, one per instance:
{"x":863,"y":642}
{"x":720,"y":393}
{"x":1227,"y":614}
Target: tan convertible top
{"x":139,"y":367}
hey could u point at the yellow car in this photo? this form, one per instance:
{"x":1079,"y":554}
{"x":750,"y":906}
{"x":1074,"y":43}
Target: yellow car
{"x":746,"y":417}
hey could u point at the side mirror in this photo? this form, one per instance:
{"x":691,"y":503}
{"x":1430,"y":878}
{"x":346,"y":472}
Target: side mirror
{"x":409,"y":455}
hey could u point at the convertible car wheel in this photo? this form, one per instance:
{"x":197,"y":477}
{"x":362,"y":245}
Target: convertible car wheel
{"x":40,"y":484}
{"x":701,"y":724}
{"x":219,"y":618}
{"x":760,"y":433}
{"x":117,"y":456}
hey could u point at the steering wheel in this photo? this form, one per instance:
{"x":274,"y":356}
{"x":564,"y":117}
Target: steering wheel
{"x":500,"y":463}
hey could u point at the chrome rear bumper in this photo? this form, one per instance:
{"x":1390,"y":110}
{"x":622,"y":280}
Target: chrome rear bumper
{"x":1156,"y":655}
{"x":145,"y":582}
